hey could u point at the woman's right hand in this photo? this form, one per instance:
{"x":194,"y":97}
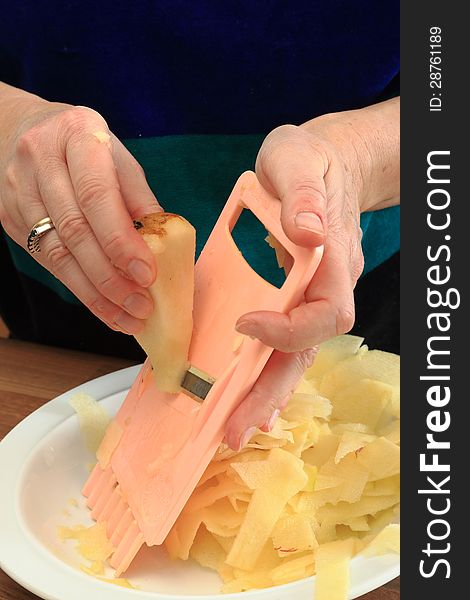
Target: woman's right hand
{"x":62,"y":161}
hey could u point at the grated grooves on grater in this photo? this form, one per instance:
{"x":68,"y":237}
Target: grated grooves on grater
{"x":108,"y":506}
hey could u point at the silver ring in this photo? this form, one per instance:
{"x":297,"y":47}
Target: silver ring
{"x":36,"y":233}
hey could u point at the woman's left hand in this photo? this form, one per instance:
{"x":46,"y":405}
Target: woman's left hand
{"x":323,"y":173}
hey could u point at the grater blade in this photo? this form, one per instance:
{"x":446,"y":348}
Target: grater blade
{"x":197,"y":384}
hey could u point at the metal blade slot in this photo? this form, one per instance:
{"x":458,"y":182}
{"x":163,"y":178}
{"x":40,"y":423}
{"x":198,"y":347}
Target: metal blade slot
{"x":197,"y":384}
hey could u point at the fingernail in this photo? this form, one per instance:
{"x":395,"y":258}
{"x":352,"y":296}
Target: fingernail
{"x":309,"y":221}
{"x":246,"y":437}
{"x":245,"y":326}
{"x":138,"y":305}
{"x":140,"y":272}
{"x":127,"y":323}
{"x":273,"y":418}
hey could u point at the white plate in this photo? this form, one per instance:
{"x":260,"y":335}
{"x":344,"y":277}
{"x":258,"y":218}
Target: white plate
{"x":43,"y":464}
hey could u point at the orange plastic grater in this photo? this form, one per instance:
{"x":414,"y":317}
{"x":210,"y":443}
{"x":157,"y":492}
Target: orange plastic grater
{"x":159,"y":444}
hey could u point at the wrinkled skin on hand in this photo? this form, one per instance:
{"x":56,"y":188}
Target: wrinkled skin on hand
{"x":319,"y":193}
{"x":63,"y":162}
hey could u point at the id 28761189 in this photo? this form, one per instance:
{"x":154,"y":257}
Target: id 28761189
{"x":435,"y":68}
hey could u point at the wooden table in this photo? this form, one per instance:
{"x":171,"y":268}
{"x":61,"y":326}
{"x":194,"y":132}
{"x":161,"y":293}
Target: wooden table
{"x":30,"y":375}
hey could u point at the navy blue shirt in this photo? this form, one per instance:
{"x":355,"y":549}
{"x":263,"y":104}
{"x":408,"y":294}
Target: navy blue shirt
{"x":167,"y":67}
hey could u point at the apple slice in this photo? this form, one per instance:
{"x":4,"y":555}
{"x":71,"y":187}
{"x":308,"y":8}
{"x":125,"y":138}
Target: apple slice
{"x":167,"y":332}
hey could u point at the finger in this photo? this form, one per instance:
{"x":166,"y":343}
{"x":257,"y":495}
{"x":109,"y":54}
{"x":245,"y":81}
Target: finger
{"x":56,"y":190}
{"x":268,"y":397}
{"x":135,"y":190}
{"x":96,"y":185}
{"x":290,"y":168}
{"x":58,"y":259}
{"x":328,"y":311}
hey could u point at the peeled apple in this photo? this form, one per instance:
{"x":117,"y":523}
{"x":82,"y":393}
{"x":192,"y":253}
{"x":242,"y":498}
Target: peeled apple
{"x":167,"y":332}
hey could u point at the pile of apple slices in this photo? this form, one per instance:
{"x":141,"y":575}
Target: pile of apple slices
{"x":318,"y":489}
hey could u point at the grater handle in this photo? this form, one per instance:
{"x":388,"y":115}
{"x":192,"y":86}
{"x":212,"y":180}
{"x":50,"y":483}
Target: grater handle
{"x":248,"y":193}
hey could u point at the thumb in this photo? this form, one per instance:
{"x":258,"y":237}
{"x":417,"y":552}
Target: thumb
{"x":291,"y":169}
